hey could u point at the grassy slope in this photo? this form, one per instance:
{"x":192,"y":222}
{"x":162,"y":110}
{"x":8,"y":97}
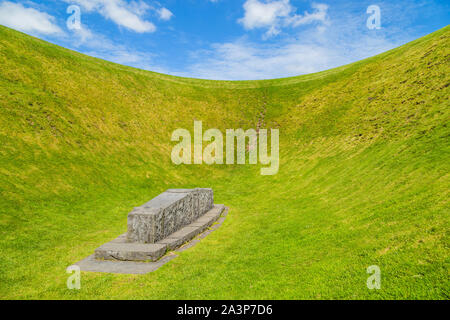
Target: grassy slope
{"x":363,"y":177}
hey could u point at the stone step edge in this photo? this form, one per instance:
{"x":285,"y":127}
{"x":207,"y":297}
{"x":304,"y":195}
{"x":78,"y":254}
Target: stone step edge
{"x":120,"y":249}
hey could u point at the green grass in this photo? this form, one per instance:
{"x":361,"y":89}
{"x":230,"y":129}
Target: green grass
{"x":363,"y":179}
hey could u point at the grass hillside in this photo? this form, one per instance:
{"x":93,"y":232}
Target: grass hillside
{"x":363,"y":179}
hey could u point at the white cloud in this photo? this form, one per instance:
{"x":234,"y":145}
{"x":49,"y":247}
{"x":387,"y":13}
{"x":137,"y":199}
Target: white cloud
{"x":30,"y":20}
{"x":165,"y":14}
{"x":308,"y":52}
{"x":125,"y":14}
{"x":259,"y":14}
{"x":273,"y":15}
{"x":243,"y":60}
{"x":319,"y":15}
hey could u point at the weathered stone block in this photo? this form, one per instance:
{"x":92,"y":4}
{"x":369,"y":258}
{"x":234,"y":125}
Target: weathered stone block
{"x":160,"y":217}
{"x":168,"y":213}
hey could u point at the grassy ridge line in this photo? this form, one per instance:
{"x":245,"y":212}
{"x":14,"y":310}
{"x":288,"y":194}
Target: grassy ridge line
{"x":362,"y":181}
{"x":81,"y":59}
{"x":212,"y":83}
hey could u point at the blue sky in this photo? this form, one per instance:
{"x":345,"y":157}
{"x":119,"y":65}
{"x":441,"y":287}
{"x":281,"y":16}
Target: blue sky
{"x":227,"y":39}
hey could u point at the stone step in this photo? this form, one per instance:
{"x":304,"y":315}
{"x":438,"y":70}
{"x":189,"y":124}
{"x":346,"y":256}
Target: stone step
{"x":130,"y":251}
{"x":123,"y":250}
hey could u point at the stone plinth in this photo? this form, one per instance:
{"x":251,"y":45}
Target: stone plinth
{"x":165,"y":223}
{"x":121,"y":249}
{"x":122,"y":256}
